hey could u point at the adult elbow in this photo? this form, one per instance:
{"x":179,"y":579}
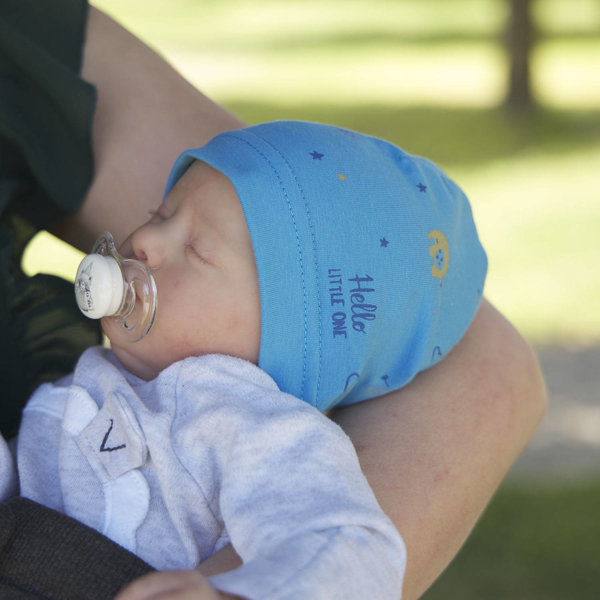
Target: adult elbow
{"x":521,"y":382}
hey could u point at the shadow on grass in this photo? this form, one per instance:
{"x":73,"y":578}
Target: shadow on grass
{"x":461,"y":136}
{"x":354,"y":40}
{"x":534,"y":543}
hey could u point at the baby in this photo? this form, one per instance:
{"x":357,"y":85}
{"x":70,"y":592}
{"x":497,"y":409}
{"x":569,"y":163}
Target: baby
{"x":299,"y":267}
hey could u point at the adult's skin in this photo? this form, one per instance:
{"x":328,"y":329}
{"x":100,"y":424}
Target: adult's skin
{"x":435,"y":451}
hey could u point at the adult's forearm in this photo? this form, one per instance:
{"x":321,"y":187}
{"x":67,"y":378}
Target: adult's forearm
{"x":436,"y":451}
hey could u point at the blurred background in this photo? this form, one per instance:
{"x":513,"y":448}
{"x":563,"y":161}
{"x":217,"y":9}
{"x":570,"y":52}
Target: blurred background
{"x":505,"y":96}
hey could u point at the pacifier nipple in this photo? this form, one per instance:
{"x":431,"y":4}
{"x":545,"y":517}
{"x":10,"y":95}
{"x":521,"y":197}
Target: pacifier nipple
{"x":119,"y":290}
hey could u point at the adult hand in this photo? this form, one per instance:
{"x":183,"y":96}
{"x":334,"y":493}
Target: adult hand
{"x":172,"y":585}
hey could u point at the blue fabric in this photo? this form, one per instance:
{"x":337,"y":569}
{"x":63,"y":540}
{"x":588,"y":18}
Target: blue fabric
{"x":369,"y":264}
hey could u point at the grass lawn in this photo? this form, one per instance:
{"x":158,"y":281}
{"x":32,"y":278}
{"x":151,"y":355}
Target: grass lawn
{"x":429,"y":75}
{"x":533,"y":543}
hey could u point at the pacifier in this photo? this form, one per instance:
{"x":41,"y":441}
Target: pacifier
{"x":119,"y":290}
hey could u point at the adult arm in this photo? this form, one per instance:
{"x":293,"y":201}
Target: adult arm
{"x":436,"y":451}
{"x":146,"y":115}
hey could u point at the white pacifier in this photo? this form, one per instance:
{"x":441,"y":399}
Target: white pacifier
{"x":120,"y":290}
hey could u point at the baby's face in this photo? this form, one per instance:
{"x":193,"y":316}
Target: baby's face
{"x":199,"y":249}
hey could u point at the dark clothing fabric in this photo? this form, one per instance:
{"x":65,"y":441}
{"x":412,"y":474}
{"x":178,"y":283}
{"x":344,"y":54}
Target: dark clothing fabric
{"x":46,"y":165}
{"x":47,"y":555}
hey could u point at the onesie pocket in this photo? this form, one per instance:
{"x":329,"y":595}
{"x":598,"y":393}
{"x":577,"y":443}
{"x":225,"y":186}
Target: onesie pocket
{"x":113,"y":442}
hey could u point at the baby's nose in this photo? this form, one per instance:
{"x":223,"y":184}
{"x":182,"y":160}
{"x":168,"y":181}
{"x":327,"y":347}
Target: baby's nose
{"x":148,"y":245}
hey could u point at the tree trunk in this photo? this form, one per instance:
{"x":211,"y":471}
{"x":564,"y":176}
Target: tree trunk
{"x":520,"y":37}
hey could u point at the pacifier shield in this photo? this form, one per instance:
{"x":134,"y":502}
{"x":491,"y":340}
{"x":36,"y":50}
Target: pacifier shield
{"x":99,"y":286}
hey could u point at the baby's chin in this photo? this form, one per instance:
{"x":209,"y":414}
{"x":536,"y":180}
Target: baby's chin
{"x":130,"y":354}
{"x":134,"y":363}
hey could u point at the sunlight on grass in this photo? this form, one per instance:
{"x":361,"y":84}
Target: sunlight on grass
{"x":377,"y":75}
{"x":573,"y":17}
{"x":567,"y":73}
{"x":334,"y":51}
{"x":245,"y":24}
{"x":406,"y":52}
{"x":539,"y":218}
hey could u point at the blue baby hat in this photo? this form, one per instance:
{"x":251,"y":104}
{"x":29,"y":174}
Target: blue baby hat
{"x":369,"y":264}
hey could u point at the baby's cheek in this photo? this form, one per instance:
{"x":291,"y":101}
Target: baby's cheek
{"x":180,"y":343}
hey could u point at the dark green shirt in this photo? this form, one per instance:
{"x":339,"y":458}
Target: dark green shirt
{"x":46,"y":165}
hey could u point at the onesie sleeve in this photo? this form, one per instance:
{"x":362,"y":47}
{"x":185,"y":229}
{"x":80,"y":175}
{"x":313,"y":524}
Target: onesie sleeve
{"x":297,"y":508}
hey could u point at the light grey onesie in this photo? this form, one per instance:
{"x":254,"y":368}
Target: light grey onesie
{"x":211,"y":453}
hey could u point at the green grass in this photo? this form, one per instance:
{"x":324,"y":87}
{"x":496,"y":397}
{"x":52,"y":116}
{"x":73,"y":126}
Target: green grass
{"x":533,"y":543}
